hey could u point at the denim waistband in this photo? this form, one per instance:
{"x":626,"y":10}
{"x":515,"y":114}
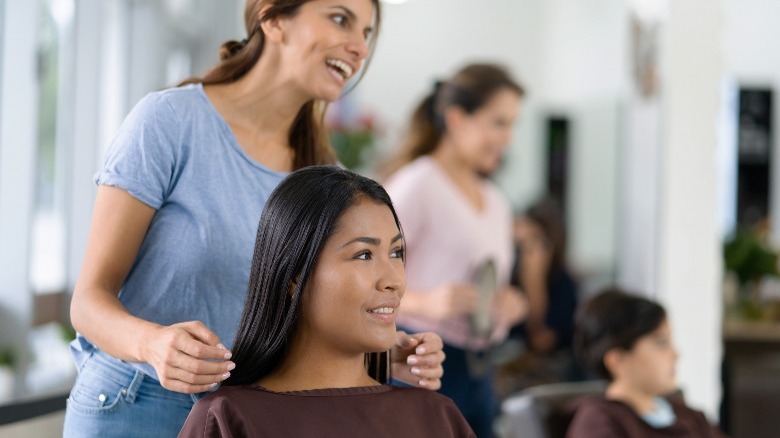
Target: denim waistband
{"x":122,"y":372}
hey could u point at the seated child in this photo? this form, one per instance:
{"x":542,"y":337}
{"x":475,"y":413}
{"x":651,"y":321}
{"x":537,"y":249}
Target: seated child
{"x":311,"y":359}
{"x":627,"y":340}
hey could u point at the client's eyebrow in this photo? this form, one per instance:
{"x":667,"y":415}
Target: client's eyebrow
{"x":372,"y":240}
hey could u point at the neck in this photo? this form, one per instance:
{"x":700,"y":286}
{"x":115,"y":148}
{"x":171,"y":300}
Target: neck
{"x":640,"y":401}
{"x":261,"y":108}
{"x":313,"y":365}
{"x":446,"y":155}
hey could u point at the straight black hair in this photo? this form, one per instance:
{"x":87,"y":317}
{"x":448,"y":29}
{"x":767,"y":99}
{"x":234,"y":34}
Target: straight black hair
{"x":299,"y":217}
{"x":613,"y":319}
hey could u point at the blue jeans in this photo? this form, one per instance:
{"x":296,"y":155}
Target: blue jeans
{"x":473,"y":395}
{"x":113,"y":399}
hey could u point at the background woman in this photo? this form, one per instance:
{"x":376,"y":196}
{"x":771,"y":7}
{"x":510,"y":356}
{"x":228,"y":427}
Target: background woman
{"x":184,"y":182}
{"x":455,"y":220}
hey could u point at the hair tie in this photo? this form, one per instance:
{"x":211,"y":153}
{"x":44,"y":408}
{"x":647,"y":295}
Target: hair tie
{"x":437,"y":86}
{"x":436,"y":118}
{"x":244,"y":42}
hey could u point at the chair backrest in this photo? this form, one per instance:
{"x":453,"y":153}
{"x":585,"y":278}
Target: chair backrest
{"x":543,"y":411}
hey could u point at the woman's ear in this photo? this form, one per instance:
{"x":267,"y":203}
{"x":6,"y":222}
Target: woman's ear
{"x":454,"y":117}
{"x":613,"y":361}
{"x":294,"y":285}
{"x":271,"y":27}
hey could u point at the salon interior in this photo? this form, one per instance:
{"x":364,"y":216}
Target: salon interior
{"x":651,"y":121}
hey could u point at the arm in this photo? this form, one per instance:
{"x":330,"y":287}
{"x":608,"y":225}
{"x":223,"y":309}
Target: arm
{"x":182,"y":354}
{"x":443,"y":302}
{"x":510,"y":308}
{"x":534,"y":268}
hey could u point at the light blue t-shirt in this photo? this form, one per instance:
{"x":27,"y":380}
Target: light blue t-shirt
{"x":175,"y":153}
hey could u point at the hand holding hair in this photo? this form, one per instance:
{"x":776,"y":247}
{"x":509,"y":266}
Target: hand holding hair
{"x":188,"y":357}
{"x":417,"y":359}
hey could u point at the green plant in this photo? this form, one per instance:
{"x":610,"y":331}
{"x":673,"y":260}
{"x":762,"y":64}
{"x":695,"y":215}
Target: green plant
{"x":749,"y":258}
{"x":68,"y":333}
{"x":7,"y":357}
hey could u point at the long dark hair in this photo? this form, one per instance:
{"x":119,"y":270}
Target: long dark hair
{"x":298,"y":219}
{"x":548,"y":215}
{"x":613,"y":319}
{"x":469,"y":89}
{"x":307,"y":134}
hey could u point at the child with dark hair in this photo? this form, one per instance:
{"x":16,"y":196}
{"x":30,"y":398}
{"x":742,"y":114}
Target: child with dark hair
{"x":311,"y":352}
{"x":627,"y":340}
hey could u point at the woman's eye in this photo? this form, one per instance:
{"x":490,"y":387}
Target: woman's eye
{"x":398,"y":253}
{"x":339,"y":19}
{"x":365,"y":255}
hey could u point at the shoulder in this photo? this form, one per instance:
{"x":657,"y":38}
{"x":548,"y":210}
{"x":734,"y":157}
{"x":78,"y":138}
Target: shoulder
{"x":412,"y":187}
{"x":412,"y":174}
{"x":695,"y":419}
{"x":597,"y":416}
{"x":179,"y":101}
{"x":233,"y":398}
{"x":221,"y":413}
{"x":433,"y":409}
{"x":432,"y":401}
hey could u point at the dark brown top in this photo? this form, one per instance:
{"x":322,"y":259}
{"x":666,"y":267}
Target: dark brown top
{"x":598,"y":417}
{"x":376,"y":411}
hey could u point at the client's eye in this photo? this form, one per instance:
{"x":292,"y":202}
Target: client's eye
{"x":398,"y":253}
{"x":365,"y":255}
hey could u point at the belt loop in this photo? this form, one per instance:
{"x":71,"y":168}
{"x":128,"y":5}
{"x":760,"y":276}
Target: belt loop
{"x":132,"y":390}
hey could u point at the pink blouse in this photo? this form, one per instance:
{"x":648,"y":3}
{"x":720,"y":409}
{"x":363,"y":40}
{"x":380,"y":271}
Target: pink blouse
{"x":447,"y":238}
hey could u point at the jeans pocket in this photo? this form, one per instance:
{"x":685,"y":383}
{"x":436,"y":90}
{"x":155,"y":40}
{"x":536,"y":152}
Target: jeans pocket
{"x":95,"y":392}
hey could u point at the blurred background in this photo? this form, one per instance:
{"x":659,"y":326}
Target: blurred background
{"x":652,"y":121}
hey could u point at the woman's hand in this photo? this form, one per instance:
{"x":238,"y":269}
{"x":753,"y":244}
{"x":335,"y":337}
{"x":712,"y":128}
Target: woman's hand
{"x":509,"y":307}
{"x":449,"y":300}
{"x":188,"y":357}
{"x":417,"y":359}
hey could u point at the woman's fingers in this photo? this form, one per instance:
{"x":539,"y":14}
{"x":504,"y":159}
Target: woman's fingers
{"x":189,"y":358}
{"x":432,"y":384}
{"x":205,"y":373}
{"x":184,"y":387}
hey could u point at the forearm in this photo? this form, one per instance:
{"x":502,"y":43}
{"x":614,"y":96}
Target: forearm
{"x":536,"y":290}
{"x":414,"y":303}
{"x":105,"y":322}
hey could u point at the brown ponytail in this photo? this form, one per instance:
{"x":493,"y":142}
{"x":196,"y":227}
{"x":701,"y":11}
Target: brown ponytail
{"x":308,"y":135}
{"x":470,"y":88}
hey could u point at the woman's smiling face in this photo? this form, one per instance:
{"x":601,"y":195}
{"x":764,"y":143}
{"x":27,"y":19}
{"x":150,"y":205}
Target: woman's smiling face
{"x":351,"y":301}
{"x":325,"y":43}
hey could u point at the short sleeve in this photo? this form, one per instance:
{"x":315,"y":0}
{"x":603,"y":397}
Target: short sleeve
{"x":142,"y":156}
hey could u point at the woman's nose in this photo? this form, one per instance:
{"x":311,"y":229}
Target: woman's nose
{"x":393,"y":278}
{"x":358,"y":46}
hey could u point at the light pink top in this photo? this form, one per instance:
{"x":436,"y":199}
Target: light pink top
{"x":447,"y":238}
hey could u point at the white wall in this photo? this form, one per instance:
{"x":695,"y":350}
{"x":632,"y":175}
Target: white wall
{"x":690,"y":263}
{"x":18,"y":134}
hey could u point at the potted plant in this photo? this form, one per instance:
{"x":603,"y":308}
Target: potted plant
{"x":7,"y":364}
{"x":750,"y":259}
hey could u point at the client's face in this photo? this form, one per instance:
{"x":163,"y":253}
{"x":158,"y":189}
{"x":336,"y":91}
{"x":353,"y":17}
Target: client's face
{"x":650,"y":365}
{"x":352,"y":299}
